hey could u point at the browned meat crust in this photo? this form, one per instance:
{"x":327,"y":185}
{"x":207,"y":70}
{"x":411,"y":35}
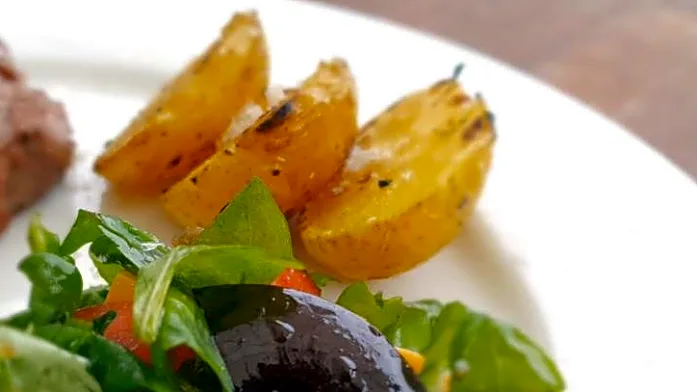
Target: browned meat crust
{"x":35,"y":141}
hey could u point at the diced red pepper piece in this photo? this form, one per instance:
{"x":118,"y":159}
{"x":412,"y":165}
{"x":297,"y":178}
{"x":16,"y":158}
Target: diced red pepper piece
{"x":298,"y":280}
{"x":120,"y":331}
{"x":122,"y":288}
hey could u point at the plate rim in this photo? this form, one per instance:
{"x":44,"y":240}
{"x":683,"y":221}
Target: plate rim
{"x":679,"y":178}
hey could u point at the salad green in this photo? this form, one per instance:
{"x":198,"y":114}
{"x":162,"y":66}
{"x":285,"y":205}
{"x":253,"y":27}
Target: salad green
{"x":115,"y":244}
{"x":93,"y":296}
{"x":252,"y":218}
{"x":199,"y":266}
{"x":46,"y":347}
{"x":41,"y":239}
{"x":114,"y":367}
{"x":469,"y":349}
{"x":56,"y":285}
{"x":184,"y":324}
{"x":29,"y":363}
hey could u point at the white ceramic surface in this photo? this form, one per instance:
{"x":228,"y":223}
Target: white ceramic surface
{"x":585,"y":237}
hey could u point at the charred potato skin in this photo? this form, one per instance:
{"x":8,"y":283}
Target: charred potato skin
{"x":295,"y":148}
{"x":179,"y":128}
{"x":389,"y":216}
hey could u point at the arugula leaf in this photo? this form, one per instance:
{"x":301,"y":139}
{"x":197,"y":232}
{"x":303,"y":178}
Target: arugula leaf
{"x":106,"y":259}
{"x":491,"y":342}
{"x":112,"y":253}
{"x":40,"y":238}
{"x":93,"y":296}
{"x":232,"y":264}
{"x":160,"y":363}
{"x":469,"y":350}
{"x":413,"y":328}
{"x":152,"y":287}
{"x":89,"y":226}
{"x":56,"y":285}
{"x":185,"y":324}
{"x":358,"y":299}
{"x":252,"y":218}
{"x":115,"y":243}
{"x":165,"y":315}
{"x":30,"y":364}
{"x":101,"y":323}
{"x":442,"y":363}
{"x":196,"y":376}
{"x":21,"y":320}
{"x":114,"y":367}
{"x":199,"y":266}
{"x":320,"y":280}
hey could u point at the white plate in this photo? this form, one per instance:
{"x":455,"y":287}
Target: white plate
{"x":585,"y":238}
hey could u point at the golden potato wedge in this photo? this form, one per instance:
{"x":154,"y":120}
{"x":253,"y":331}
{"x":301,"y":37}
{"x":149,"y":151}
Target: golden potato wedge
{"x":179,"y":128}
{"x":412,"y":179}
{"x":295,"y":148}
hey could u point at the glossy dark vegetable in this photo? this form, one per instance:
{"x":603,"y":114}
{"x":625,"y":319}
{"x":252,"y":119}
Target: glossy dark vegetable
{"x":285,"y":340}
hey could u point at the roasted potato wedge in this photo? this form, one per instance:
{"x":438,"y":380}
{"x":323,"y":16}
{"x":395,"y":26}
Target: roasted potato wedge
{"x":295,"y":148}
{"x":412,"y":179}
{"x":179,"y":128}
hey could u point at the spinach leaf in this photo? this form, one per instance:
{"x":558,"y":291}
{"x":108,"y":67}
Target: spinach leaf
{"x":40,"y":238}
{"x":30,"y":364}
{"x":252,"y":218}
{"x":116,"y":369}
{"x":56,"y":285}
{"x":185,"y":324}
{"x":464,"y":348}
{"x":199,"y":266}
{"x":115,"y":243}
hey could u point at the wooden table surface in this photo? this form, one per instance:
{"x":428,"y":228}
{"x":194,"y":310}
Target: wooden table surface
{"x":634,"y":60}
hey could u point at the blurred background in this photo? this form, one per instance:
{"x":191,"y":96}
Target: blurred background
{"x":634,"y":60}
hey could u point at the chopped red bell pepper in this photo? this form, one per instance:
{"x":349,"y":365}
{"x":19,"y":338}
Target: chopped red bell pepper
{"x":122,"y":288}
{"x":120,"y":330}
{"x":298,"y":280}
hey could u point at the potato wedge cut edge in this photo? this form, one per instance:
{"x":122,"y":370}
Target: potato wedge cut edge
{"x":295,"y":148}
{"x":421,"y":167}
{"x":179,"y":127}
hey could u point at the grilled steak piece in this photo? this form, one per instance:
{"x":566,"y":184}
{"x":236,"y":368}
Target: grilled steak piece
{"x":7,"y":69}
{"x":35,"y":141}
